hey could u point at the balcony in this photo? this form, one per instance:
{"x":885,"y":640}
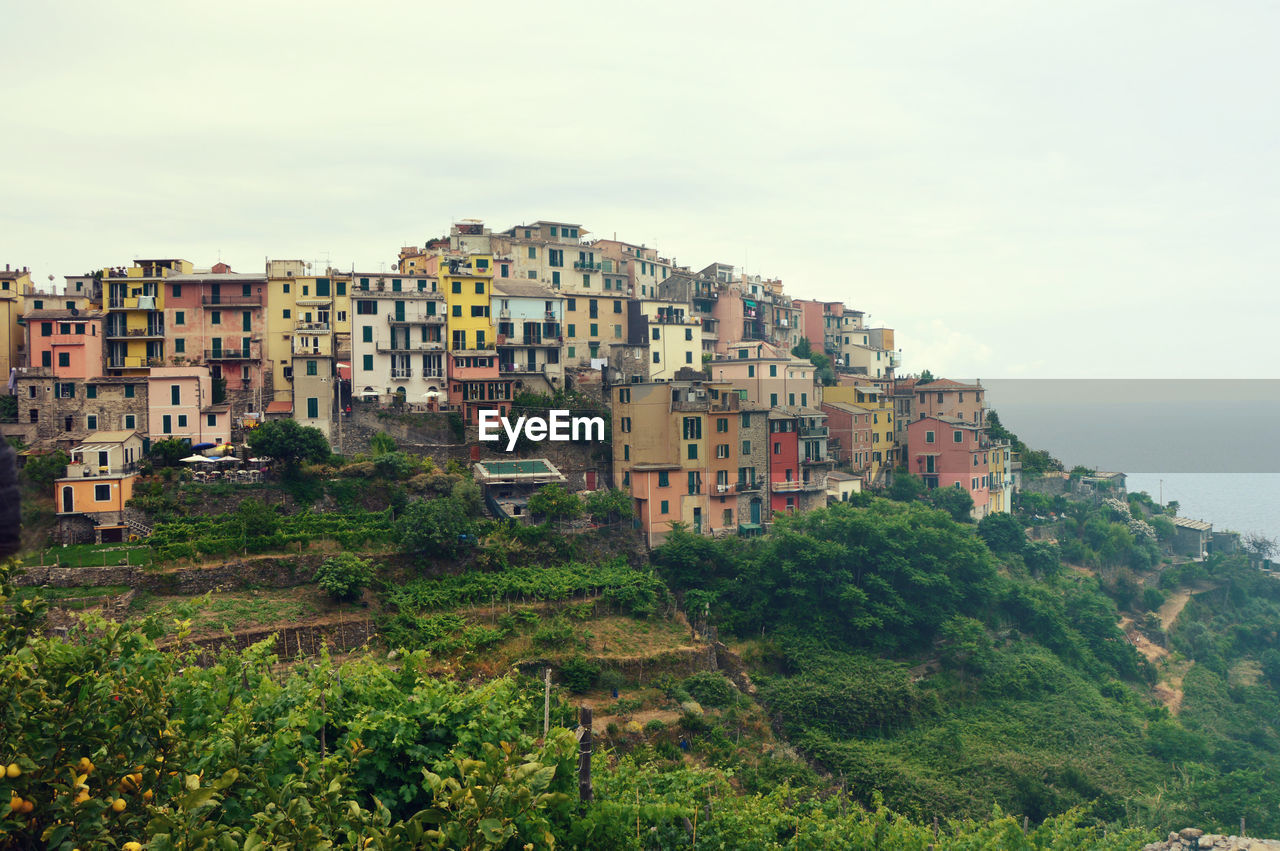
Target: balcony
{"x":408,"y":347}
{"x":209,"y":300}
{"x":747,"y":487}
{"x":401,"y":373}
{"x":430,"y":319}
{"x":85,"y":470}
{"x":585,"y":266}
{"x":818,"y":483}
{"x":784,"y":487}
{"x":250,"y":353}
{"x":314,"y":300}
{"x":813,"y":431}
{"x":509,"y":340}
{"x":133,"y":362}
{"x":311,"y":327}
{"x":151,"y":332}
{"x":816,"y":460}
{"x":725,"y":488}
{"x":521,"y":368}
{"x":66,"y":340}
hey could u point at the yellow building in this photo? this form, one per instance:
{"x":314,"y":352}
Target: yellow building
{"x":884,"y":449}
{"x":134,"y":328}
{"x":15,"y":285}
{"x":1000,"y":478}
{"x":316,"y":309}
{"x":467,"y":283}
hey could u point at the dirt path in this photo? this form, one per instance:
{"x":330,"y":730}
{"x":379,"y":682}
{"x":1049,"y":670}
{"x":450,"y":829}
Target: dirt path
{"x":1172,"y":607}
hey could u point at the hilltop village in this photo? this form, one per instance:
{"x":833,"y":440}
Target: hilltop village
{"x":730,"y":400}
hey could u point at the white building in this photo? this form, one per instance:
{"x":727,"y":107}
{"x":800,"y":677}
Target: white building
{"x":397,"y":339}
{"x":530,"y":334}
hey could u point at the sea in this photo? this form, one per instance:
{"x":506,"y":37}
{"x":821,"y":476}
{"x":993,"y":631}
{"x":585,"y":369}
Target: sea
{"x":1237,"y":502}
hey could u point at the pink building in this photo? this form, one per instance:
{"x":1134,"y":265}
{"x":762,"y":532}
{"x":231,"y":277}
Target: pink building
{"x":951,"y":453}
{"x":180,"y":404}
{"x":950,"y":399}
{"x":851,"y":433}
{"x":476,"y":385}
{"x":816,"y":321}
{"x":67,"y":342}
{"x":218,"y":318}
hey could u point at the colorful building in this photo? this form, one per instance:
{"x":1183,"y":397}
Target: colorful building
{"x":15,"y":286}
{"x":180,"y":405}
{"x":475,"y":383}
{"x":91,"y":498}
{"x":529,"y":321}
{"x":948,"y":452}
{"x":307,"y":316}
{"x":956,"y":400}
{"x":135,"y":326}
{"x":398,"y":339}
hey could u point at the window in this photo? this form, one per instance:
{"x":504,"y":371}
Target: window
{"x":624,"y":396}
{"x":692,"y":428}
{"x":286,"y":288}
{"x":928,"y":437}
{"x":182,"y":420}
{"x":655,"y":357}
{"x":215,"y":317}
{"x":751,"y":371}
{"x":773,"y":400}
{"x":573,"y":330}
{"x":555,"y":256}
{"x":533,"y":252}
{"x":456,"y":286}
{"x":90,"y":391}
{"x":177,"y":293}
{"x":722,"y":424}
{"x":313,"y":407}
{"x":663,"y":479}
{"x":179,"y":345}
{"x":244,"y":321}
{"x":777,"y":448}
{"x":617,"y":332}
{"x":175,"y":394}
{"x":625,"y":424}
{"x":555,"y":279}
{"x":586,"y":282}
{"x":626,"y":452}
{"x":479,"y":287}
{"x":957,"y":436}
{"x":688,"y":334}
{"x":288,"y":313}
{"x":694,"y":486}
{"x":572,"y":351}
{"x":722,"y":450}
{"x":746,"y":447}
{"x":791,"y":399}
{"x":595,"y":330}
{"x":479,"y":310}
{"x":64,"y":358}
{"x":656,"y":334}
{"x":457,"y":311}
{"x":573,"y":305}
{"x":212,"y":420}
{"x":128,"y":391}
{"x":102,"y":493}
{"x":130,"y":421}
{"x":617,"y":306}
{"x":366,"y":333}
{"x":311,"y":368}
{"x":665,"y":508}
{"x":180,"y":316}
{"x":46,"y":329}
{"x":688,"y":357}
{"x":366,"y":307}
{"x":91,"y":422}
{"x":693,"y":452}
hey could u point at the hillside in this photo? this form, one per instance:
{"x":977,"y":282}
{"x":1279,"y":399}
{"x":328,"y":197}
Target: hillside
{"x":860,"y":662}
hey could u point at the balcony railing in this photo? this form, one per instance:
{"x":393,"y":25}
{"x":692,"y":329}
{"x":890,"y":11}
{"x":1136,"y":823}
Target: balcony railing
{"x":745,"y":487}
{"x":584,"y":266}
{"x":133,"y":362}
{"x":135,"y":333}
{"x":818,"y":483}
{"x":241,"y":300}
{"x":399,"y":374}
{"x":817,"y":460}
{"x":784,"y":487}
{"x":813,"y":431}
{"x":87,"y":470}
{"x":312,"y":327}
{"x":232,"y":354}
{"x":429,"y":319}
{"x":413,"y":346}
{"x":522,"y":368}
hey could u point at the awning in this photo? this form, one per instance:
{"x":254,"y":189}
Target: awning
{"x":282,"y":407}
{"x":95,"y":447}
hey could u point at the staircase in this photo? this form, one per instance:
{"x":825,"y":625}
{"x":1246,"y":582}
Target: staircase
{"x":142,"y":530}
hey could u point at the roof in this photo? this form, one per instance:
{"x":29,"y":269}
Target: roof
{"x":216,"y":278}
{"x":850,"y":408}
{"x":119,"y":436}
{"x":78,"y":315}
{"x":837,"y":476}
{"x":1196,"y":525}
{"x":522,"y":289}
{"x":281,"y":407}
{"x":947,"y":384}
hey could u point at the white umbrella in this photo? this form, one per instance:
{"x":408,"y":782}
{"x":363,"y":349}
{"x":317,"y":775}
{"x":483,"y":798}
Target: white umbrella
{"x":191,"y":459}
{"x":431,"y":394}
{"x":224,"y":459}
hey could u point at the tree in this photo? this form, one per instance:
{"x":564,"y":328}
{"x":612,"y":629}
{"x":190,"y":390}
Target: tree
{"x":955,"y":501}
{"x":288,"y":442}
{"x":905,"y":486}
{"x":1042,"y":558}
{"x":40,"y":471}
{"x":468,"y":494}
{"x":435,"y":526}
{"x":344,"y":576}
{"x":257,"y":519}
{"x":169,"y":452}
{"x":1002,"y":533}
{"x":1258,"y":545}
{"x":802,"y":349}
{"x":925,"y":377}
{"x":606,"y":506}
{"x":553,"y":502}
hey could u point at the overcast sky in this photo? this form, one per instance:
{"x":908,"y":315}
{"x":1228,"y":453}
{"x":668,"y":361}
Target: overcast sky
{"x":1082,"y":189}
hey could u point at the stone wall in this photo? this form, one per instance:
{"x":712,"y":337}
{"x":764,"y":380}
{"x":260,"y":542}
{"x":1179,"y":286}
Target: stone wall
{"x":270,"y":572}
{"x":291,"y":642}
{"x":1193,"y":838}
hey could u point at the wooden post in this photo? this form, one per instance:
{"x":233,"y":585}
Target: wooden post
{"x":1242,"y":833}
{"x":546,"y":704}
{"x":1025,"y":822}
{"x":584,"y":756}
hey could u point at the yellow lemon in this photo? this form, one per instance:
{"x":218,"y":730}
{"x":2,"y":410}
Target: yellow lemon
{"x":12,"y":770}
{"x":118,"y":805}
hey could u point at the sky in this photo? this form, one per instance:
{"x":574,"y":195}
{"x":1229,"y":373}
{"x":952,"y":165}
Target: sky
{"x":1021,"y":189}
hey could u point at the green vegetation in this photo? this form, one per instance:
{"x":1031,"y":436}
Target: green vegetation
{"x":91,"y":555}
{"x":1034,"y":461}
{"x":289,"y":443}
{"x":240,"y":532}
{"x":345,"y":576}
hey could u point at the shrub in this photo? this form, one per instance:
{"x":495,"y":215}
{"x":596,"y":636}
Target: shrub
{"x":344,"y":576}
{"x":557,"y":633}
{"x":435,"y":526}
{"x":612,"y":679}
{"x":41,"y":470}
{"x":579,"y":674}
{"x":710,"y":689}
{"x":1002,"y":533}
{"x":1152,"y":599}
